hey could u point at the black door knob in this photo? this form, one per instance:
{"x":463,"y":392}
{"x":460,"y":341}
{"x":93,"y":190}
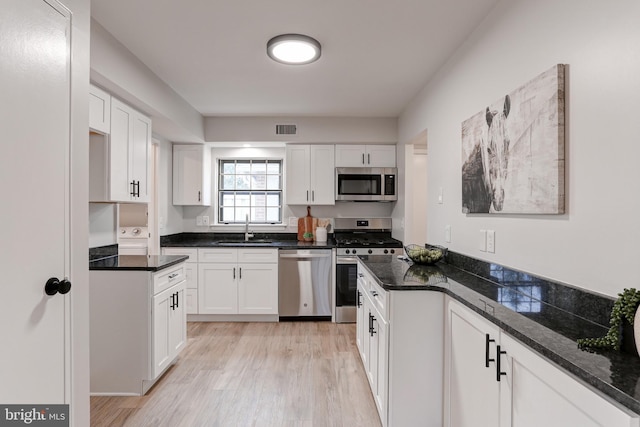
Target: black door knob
{"x":53,"y":286}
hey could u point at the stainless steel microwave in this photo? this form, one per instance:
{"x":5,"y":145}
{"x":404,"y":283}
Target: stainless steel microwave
{"x":366,"y":184}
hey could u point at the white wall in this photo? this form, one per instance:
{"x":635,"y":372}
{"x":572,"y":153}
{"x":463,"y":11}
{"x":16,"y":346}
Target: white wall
{"x":593,"y":245}
{"x":122,"y":74}
{"x":355,"y":130}
{"x":103,"y":224}
{"x":333,"y":211}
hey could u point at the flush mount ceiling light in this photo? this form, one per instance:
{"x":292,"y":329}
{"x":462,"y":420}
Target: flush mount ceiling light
{"x":296,"y":49}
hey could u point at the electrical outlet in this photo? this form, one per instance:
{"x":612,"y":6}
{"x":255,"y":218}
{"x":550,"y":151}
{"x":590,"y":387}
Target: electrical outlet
{"x":491,"y":241}
{"x":482,"y":243}
{"x":205,"y":220}
{"x":199,"y":221}
{"x":447,"y":233}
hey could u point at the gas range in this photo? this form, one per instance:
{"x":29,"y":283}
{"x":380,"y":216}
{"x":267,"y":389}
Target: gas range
{"x":362,"y":236}
{"x":357,"y":236}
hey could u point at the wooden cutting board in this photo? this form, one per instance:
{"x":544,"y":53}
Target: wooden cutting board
{"x":305,"y":225}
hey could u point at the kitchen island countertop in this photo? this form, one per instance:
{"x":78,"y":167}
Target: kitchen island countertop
{"x":526,"y":308}
{"x":136,"y":262}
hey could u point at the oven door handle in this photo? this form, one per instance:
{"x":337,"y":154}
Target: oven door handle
{"x":346,"y":260}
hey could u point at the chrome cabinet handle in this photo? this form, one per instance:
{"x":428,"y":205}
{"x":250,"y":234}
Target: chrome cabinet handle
{"x":173,"y":276}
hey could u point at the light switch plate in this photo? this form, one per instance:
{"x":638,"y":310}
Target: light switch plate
{"x":491,"y":241}
{"x":199,"y":221}
{"x":482,"y":243}
{"x":205,"y":220}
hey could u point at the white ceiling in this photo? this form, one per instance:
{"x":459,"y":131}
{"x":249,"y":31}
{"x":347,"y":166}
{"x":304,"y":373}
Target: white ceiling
{"x":376,"y":54}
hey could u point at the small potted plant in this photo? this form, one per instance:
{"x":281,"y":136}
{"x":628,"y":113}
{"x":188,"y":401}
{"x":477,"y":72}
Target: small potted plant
{"x":622,"y":317}
{"x":308,"y":237}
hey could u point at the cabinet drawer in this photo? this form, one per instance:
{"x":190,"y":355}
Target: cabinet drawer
{"x":166,"y":278}
{"x":222,"y":255}
{"x":379,"y":297}
{"x":192,"y":253}
{"x":258,"y":255}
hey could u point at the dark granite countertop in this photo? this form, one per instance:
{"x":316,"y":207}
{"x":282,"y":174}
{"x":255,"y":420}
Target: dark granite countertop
{"x":136,"y":262}
{"x":546,"y":316}
{"x":261,"y":240}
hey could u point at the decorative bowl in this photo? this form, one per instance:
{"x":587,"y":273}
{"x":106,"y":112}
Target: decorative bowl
{"x":425,"y":255}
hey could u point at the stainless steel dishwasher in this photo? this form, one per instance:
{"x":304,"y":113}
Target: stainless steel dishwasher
{"x":304,"y":286}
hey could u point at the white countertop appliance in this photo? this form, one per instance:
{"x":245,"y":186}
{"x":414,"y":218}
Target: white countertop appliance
{"x":357,"y":236}
{"x":133,"y":241}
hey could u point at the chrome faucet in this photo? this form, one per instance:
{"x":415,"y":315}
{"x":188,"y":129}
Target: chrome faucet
{"x":247,"y":235}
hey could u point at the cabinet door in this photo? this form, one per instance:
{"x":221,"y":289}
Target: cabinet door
{"x":536,"y":393}
{"x":177,"y":320}
{"x":361,"y":321}
{"x":257,"y":288}
{"x":379,"y":364}
{"x":297,"y":172}
{"x":322,"y":179}
{"x":99,"y":110}
{"x":191,"y":175}
{"x":381,"y":156}
{"x":120,"y":184}
{"x":471,"y":390}
{"x":161,"y":357}
{"x":347,"y":156}
{"x":217,"y":288}
{"x":139,"y":151}
{"x":192,"y":301}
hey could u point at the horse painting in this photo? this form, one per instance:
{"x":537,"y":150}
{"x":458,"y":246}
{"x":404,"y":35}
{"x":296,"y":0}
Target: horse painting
{"x":513,"y":151}
{"x":485,"y":170}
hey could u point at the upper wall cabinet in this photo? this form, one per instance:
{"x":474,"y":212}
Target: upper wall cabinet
{"x":99,"y":110}
{"x":310,"y":174}
{"x":118,"y":162}
{"x":192,"y":175}
{"x":368,"y":156}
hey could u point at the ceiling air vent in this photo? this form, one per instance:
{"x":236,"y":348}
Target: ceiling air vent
{"x":286,"y":130}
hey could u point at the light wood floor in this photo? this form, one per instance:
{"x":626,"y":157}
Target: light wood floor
{"x":254,"y":374}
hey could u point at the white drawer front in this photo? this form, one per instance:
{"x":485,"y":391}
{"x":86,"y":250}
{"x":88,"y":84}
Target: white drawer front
{"x":258,"y":255}
{"x":166,"y":278}
{"x":192,"y":253}
{"x":222,"y":255}
{"x":380,"y":298}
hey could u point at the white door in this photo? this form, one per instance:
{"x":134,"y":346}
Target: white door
{"x":34,"y":183}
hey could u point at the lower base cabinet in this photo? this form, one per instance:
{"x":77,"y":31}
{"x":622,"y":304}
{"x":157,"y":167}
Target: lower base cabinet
{"x":138,"y":327}
{"x":491,"y":379}
{"x":399,"y":337}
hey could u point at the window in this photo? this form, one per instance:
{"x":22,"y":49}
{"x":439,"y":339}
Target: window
{"x":250,"y":187}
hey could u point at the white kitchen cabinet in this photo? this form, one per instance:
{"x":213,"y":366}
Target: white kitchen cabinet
{"x":531,"y":391}
{"x":534,"y":392}
{"x":191,"y":175}
{"x":169,"y":326}
{"x":99,"y":110}
{"x":310,"y":174}
{"x":401,"y":350}
{"x":191,"y":275}
{"x":370,"y":156}
{"x":472,"y":394}
{"x":137,"y":327}
{"x":238,"y":281}
{"x":119,"y":161}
